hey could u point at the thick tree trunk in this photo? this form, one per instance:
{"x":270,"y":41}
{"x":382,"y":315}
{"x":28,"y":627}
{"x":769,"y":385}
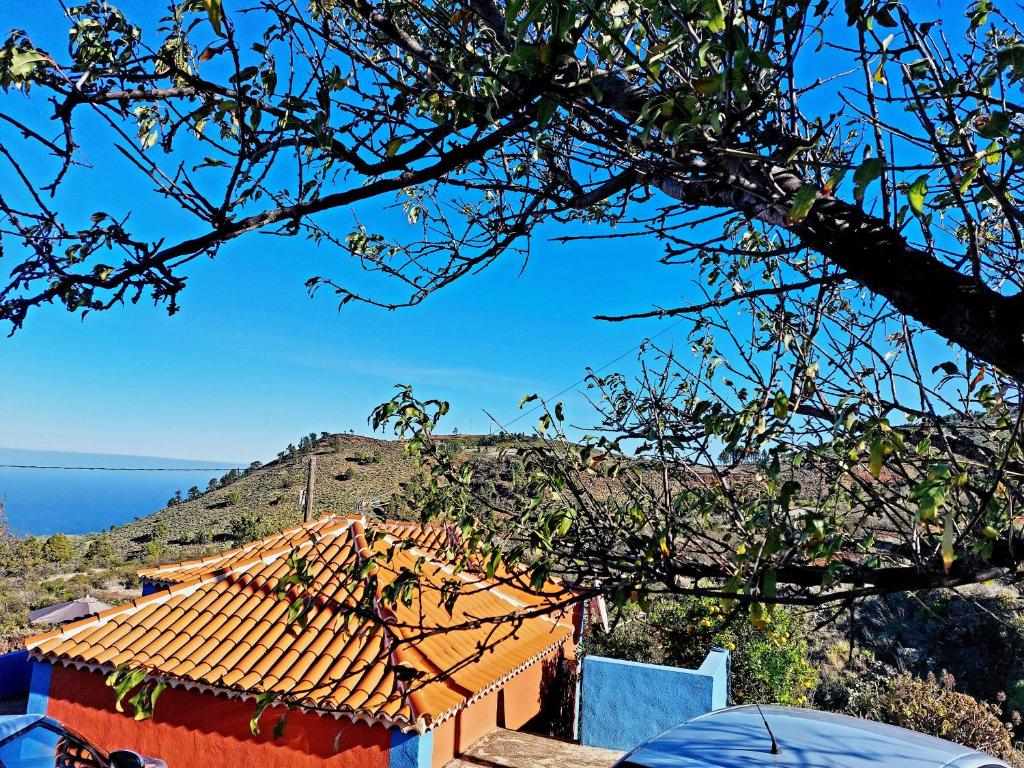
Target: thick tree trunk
{"x":987,"y":324}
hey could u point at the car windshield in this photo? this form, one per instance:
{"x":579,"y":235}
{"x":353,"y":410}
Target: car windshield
{"x":40,"y":746}
{"x":35,"y":747}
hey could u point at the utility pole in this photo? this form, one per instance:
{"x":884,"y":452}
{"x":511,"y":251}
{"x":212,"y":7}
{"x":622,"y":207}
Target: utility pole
{"x":308,"y":512}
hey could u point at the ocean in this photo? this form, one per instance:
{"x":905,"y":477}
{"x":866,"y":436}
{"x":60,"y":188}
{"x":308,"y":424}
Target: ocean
{"x":48,"y":501}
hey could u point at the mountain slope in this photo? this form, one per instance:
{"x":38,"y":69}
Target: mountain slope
{"x":353,"y":474}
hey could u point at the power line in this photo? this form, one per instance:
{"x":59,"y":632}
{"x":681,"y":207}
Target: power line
{"x":576,"y":383}
{"x":121,"y":469}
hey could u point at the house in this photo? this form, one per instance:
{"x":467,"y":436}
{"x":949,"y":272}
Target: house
{"x":409,"y":687}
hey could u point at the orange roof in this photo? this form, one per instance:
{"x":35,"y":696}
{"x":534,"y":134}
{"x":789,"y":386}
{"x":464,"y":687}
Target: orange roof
{"x":175,"y":573}
{"x":224,"y":626}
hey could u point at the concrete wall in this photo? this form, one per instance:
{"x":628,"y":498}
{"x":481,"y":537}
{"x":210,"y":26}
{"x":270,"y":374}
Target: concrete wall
{"x":624,"y":703}
{"x":15,"y":672}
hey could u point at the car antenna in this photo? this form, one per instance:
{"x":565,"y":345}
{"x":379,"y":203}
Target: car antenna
{"x":776,"y":749}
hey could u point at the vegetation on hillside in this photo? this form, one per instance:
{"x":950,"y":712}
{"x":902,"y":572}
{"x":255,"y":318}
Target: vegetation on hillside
{"x":354,"y":474}
{"x":941,"y":663}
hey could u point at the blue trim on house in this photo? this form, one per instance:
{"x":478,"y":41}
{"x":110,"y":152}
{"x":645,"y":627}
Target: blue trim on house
{"x":39,"y":688}
{"x":624,"y":703}
{"x":15,"y":673}
{"x":411,"y":750}
{"x":148,"y":588}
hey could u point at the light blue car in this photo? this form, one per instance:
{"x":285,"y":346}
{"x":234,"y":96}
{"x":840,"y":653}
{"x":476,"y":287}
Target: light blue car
{"x":737,"y":737}
{"x":37,"y":741}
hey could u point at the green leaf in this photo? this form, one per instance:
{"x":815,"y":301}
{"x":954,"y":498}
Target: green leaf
{"x":527,"y":399}
{"x":947,"y":540}
{"x":1012,"y":58}
{"x":24,"y":62}
{"x":978,"y":12}
{"x":393,"y":146}
{"x":803,"y":201}
{"x":715,"y":14}
{"x":709,"y":86}
{"x":215,"y":10}
{"x":280,"y":725}
{"x":781,"y":406}
{"x":868,"y":171}
{"x":546,"y":110}
{"x":879,"y":449}
{"x":916,"y":194}
{"x":263,"y":701}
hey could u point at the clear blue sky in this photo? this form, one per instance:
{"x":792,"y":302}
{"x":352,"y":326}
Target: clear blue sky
{"x":251,"y":363}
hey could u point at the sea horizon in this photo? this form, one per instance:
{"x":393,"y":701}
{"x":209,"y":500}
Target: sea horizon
{"x":43,"y":502}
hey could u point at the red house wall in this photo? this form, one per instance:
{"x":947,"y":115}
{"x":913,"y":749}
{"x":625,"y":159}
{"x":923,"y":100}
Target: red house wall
{"x":198,"y":730}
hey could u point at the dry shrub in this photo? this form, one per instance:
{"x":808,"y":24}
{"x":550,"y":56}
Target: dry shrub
{"x":932,"y":706}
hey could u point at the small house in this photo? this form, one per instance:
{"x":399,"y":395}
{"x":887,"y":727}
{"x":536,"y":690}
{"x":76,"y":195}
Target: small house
{"x":411,"y":686}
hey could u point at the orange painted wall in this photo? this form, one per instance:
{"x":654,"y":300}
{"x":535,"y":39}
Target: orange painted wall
{"x":199,"y":730}
{"x":511,"y":706}
{"x":520,"y":699}
{"x":457,"y":733}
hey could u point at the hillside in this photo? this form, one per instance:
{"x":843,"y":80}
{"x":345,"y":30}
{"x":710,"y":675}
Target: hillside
{"x":353,"y":474}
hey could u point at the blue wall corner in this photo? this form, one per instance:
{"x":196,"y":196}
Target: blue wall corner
{"x":39,"y":688}
{"x":624,"y":703}
{"x":15,"y":673}
{"x":411,"y":750}
{"x":717,"y":666}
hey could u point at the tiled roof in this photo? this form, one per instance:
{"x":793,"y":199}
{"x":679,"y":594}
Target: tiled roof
{"x":175,"y":573}
{"x":224,"y":627}
{"x":430,"y":536}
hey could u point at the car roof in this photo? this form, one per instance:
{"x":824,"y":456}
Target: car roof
{"x":736,"y":738}
{"x":12,"y":724}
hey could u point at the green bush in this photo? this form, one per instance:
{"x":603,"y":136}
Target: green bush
{"x":161,"y":531}
{"x":100,"y":552}
{"x":249,"y":526}
{"x":234,"y":498}
{"x":155,"y":550}
{"x":768,"y":665}
{"x":932,"y":706}
{"x":58,"y":549}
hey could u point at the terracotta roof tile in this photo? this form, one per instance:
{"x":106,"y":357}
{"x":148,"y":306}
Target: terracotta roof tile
{"x":223,"y":625}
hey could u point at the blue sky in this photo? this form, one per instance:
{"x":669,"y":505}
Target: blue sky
{"x":251,"y":362}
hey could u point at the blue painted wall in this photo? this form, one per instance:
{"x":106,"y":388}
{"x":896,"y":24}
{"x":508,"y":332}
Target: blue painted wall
{"x":411,"y":750}
{"x":39,"y":688}
{"x":148,"y":588}
{"x":624,"y":703}
{"x":15,"y":673}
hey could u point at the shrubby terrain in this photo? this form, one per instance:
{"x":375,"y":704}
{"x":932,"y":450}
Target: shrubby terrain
{"x":354,"y":474}
{"x":945,"y":663}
